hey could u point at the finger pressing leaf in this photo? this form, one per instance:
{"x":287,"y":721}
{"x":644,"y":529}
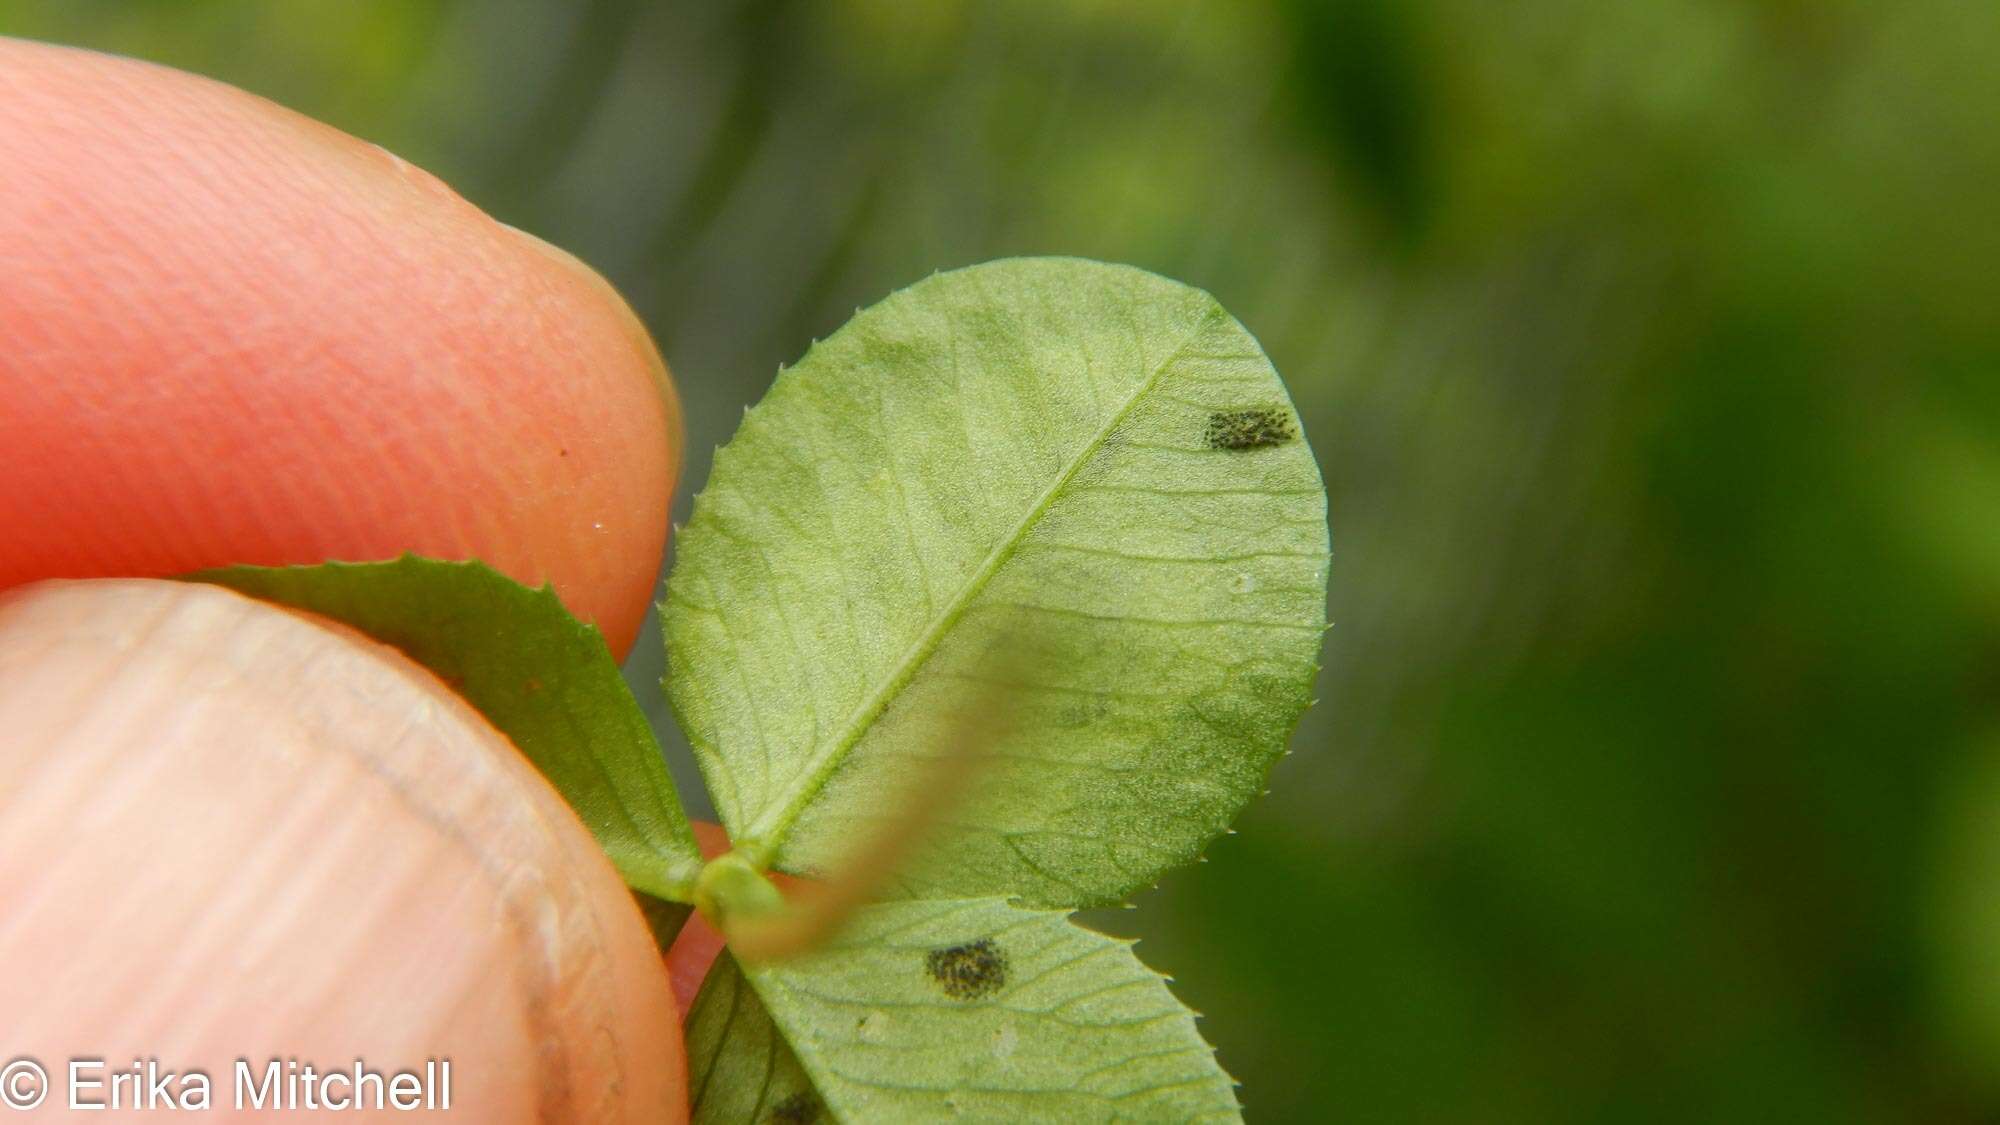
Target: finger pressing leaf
{"x":541,"y":676}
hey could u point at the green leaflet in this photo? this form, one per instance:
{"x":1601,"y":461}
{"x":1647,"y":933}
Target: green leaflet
{"x":739,"y":1067}
{"x":966,"y":1009}
{"x":539,"y":675}
{"x":1094,"y":464}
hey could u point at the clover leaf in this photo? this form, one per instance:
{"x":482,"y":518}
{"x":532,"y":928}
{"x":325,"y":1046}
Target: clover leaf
{"x":1094,"y":463}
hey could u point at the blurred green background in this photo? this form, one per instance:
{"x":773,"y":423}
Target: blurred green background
{"x":1651,"y":350}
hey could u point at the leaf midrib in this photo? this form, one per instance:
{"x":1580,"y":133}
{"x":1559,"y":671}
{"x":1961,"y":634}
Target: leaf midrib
{"x":768,"y":833}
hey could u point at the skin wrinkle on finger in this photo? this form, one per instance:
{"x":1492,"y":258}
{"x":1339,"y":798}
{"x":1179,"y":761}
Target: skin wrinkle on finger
{"x":529,"y":909}
{"x":486,"y":971}
{"x":88,"y":751}
{"x":314,"y":843}
{"x":189,"y":951}
{"x":306,"y":816}
{"x":273,"y":719}
{"x":526,"y":901}
{"x":177,"y":1026}
{"x":99,"y":681}
{"x":475,"y":854}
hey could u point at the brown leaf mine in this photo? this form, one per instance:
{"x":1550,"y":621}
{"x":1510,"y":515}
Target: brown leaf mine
{"x":969,"y":971}
{"x":1256,"y":428}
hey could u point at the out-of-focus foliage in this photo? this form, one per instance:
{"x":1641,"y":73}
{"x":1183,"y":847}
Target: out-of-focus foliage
{"x":1652,"y":354}
{"x":1965,"y":913}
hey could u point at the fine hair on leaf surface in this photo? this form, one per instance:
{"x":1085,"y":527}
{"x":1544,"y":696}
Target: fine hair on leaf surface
{"x":1025,"y":448}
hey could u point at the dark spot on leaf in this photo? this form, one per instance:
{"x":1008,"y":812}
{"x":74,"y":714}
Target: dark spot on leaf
{"x":799,"y":1109}
{"x":1250,"y":429}
{"x":969,"y":971}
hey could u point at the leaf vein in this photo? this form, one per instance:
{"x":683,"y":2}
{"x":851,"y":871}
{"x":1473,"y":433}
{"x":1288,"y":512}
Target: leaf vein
{"x":769,"y":833}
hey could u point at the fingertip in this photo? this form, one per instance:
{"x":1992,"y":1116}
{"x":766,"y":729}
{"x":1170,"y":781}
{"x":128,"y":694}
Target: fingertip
{"x":628,"y":325}
{"x":240,"y":336}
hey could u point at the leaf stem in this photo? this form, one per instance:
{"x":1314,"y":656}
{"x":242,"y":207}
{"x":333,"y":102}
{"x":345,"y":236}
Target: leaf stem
{"x":731,"y":890}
